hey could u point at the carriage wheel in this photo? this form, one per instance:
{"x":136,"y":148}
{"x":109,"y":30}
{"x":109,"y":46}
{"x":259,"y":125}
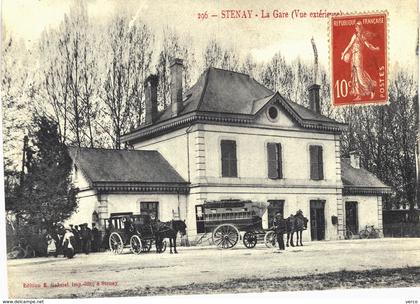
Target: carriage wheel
{"x":136,"y":244}
{"x":225,"y":236}
{"x":116,"y":244}
{"x":250,"y":239}
{"x":147,"y":245}
{"x":270,"y":239}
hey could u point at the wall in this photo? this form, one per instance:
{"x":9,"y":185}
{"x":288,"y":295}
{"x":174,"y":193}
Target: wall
{"x":369,"y":210}
{"x":295,"y":199}
{"x":126,"y":202}
{"x":87,"y":204}
{"x":173,"y":148}
{"x":252,"y":155}
{"x":130,"y":202}
{"x":195,"y":153}
{"x":87,"y":199}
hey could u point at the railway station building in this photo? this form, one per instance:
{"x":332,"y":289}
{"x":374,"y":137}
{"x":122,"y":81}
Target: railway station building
{"x":230,"y":138}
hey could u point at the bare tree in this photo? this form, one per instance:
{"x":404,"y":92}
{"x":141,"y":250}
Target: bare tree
{"x":15,"y":95}
{"x":126,"y":61}
{"x":173,"y":46}
{"x":69,"y":75}
{"x":215,"y":55}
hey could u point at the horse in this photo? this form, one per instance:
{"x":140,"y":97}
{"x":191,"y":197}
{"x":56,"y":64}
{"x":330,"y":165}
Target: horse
{"x":169,"y":230}
{"x":295,"y":223}
{"x":290,"y":229}
{"x":301,"y":223}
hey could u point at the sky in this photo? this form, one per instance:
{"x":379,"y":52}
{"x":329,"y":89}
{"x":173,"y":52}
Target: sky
{"x":259,"y":37}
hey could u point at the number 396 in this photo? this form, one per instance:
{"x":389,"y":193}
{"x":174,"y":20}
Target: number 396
{"x":341,"y":88}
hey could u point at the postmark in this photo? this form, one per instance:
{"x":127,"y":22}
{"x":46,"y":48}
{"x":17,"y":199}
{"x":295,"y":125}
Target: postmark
{"x":358,"y":55}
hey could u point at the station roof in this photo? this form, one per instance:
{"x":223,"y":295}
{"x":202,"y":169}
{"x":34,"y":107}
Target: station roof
{"x":361,"y":181}
{"x":114,"y":168}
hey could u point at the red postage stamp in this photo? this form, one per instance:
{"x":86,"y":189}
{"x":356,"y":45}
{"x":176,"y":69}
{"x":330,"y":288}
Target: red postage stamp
{"x":359,"y":70}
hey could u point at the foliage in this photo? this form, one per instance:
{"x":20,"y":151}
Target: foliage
{"x":385,"y":136}
{"x":46,"y":195}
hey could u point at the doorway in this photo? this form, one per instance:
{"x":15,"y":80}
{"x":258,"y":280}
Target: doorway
{"x":199,"y":218}
{"x":317,"y":215}
{"x":351,"y":217}
{"x":274,"y":207}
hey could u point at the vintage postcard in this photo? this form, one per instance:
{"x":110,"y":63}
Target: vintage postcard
{"x":161,"y":148}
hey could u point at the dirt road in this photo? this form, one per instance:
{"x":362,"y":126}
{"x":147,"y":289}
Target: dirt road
{"x":102,"y":273}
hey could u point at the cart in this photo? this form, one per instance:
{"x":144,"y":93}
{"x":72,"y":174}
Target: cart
{"x":134,"y":231}
{"x":223,"y":222}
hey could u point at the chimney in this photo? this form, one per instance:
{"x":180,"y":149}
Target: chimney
{"x":176,"y":85}
{"x":150,"y":105}
{"x":355,"y":159}
{"x":314,"y":104}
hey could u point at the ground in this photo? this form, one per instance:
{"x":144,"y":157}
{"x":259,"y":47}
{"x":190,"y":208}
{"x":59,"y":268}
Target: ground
{"x":316,"y":265}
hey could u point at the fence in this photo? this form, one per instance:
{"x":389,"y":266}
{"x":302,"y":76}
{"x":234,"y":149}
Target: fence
{"x":402,"y":230}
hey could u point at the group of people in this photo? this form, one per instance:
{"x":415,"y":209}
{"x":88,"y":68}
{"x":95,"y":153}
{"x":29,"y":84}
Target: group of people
{"x":75,"y":239}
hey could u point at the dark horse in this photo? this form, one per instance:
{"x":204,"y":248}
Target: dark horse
{"x":296,"y":223}
{"x":169,"y":230}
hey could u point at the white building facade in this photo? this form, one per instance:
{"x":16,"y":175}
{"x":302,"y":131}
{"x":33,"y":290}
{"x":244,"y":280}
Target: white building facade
{"x":230,"y":138}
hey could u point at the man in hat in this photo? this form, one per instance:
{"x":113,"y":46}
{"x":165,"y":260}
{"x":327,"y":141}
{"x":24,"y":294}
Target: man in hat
{"x":86,"y":235}
{"x":95,"y":238}
{"x":76,"y":233}
{"x":280,"y":224}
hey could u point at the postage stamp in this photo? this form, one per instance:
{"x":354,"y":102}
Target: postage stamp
{"x":359,"y":59}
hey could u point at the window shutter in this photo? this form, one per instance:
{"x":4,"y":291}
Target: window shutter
{"x":272,"y":160}
{"x":228,"y":151}
{"x":313,"y":151}
{"x":320,"y":163}
{"x":317,"y":165}
{"x":280,"y":161}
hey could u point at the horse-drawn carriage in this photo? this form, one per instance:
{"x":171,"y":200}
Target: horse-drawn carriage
{"x":138,"y":232}
{"x":223,"y":222}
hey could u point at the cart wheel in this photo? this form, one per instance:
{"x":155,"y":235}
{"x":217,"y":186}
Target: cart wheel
{"x":136,"y":244}
{"x":163,"y":246}
{"x":116,"y":244}
{"x":250,"y":239}
{"x":270,"y":239}
{"x":225,"y":236}
{"x":147,"y":245}
{"x":349,"y":235}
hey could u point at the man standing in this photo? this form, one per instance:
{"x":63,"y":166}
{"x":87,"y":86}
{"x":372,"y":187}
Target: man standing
{"x":280,"y":224}
{"x":86,"y":238}
{"x":76,"y":233}
{"x":95,"y":238}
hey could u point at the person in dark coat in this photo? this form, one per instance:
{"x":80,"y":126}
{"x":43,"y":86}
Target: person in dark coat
{"x":57,"y":236}
{"x":86,"y":234}
{"x":76,"y":233}
{"x":280,"y":224}
{"x":95,"y":238}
